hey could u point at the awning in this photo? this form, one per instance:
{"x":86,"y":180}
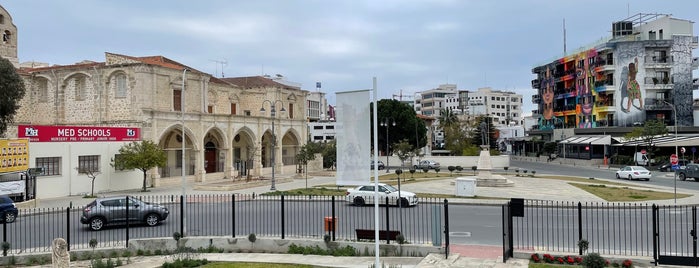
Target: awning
{"x":590,"y":140}
{"x":667,"y":140}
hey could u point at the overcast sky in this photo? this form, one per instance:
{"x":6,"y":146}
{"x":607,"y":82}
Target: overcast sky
{"x":407,"y":45}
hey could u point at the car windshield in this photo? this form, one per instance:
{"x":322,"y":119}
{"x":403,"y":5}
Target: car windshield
{"x":390,"y":188}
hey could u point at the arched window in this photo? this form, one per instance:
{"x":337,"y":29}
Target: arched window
{"x":80,"y":88}
{"x":120,"y":86}
{"x":42,"y":89}
{"x":6,"y":36}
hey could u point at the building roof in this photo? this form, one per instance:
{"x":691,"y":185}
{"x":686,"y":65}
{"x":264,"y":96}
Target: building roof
{"x":249,"y":82}
{"x":424,"y":117}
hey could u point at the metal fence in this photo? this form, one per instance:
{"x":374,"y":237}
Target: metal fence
{"x":233,"y":215}
{"x":666,"y":233}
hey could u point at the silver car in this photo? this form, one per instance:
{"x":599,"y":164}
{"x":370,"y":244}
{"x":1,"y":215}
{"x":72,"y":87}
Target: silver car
{"x":426,"y":164}
{"x":112,"y":211}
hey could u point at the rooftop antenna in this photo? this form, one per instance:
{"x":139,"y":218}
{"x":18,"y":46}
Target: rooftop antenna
{"x":223,"y":63}
{"x":564,"y":37}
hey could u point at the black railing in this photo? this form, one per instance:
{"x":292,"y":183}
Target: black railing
{"x":232,"y":215}
{"x":666,"y":233}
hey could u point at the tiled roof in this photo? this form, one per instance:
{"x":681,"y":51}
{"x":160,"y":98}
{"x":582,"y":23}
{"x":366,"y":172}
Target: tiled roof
{"x":255,"y":82}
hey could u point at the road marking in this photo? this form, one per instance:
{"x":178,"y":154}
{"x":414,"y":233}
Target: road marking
{"x":463,"y":234}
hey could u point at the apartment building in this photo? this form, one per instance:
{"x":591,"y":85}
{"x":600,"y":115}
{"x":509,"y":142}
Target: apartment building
{"x":642,"y":71}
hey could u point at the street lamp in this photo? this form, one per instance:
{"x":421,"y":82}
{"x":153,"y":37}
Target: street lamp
{"x":274,"y":134}
{"x":385,"y":123}
{"x":674,"y":112}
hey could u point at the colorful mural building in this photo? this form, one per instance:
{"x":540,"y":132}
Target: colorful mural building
{"x":642,"y":72}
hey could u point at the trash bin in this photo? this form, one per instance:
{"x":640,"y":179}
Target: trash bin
{"x":466,"y":186}
{"x":328,"y":224}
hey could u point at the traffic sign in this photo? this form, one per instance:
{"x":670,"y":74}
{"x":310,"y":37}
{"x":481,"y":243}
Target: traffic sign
{"x":673,"y":159}
{"x":643,"y":151}
{"x":682,"y":150}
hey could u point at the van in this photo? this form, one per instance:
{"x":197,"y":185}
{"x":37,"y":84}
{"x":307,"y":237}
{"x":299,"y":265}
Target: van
{"x":641,"y":159}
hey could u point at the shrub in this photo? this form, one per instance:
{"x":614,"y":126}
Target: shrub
{"x":451,"y":169}
{"x":252,"y":238}
{"x":593,"y":260}
{"x":583,"y":245}
{"x":459,"y":168}
{"x":474,"y":168}
{"x":412,"y":171}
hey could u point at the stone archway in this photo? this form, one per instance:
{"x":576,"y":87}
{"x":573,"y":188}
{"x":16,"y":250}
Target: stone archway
{"x":243,"y":152}
{"x":266,"y":149}
{"x":171,"y":142}
{"x":214,"y":151}
{"x":290,"y":148}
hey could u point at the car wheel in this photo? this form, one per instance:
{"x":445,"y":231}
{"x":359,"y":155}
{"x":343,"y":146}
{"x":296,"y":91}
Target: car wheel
{"x":152,"y":219}
{"x":683,"y":177}
{"x":9,"y":217}
{"x":630,"y":177}
{"x":415,"y":167}
{"x":97,"y":223}
{"x":381,"y":168}
{"x":617,"y":176}
{"x":403,"y":202}
{"x":358,"y":201}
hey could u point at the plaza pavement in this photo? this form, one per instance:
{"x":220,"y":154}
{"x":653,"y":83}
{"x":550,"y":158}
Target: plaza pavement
{"x":461,"y":255}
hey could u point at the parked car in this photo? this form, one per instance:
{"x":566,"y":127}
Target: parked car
{"x":112,"y":211}
{"x":668,"y":167}
{"x":8,"y":209}
{"x":379,"y":164}
{"x":429,"y":164}
{"x":364,"y":194}
{"x":633,"y":173}
{"x":689,"y":171}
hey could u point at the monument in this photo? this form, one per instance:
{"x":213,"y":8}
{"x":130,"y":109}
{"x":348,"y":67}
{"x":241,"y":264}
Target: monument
{"x":485,"y":164}
{"x":60,"y":257}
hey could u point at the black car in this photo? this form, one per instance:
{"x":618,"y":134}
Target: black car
{"x":8,"y":209}
{"x":668,"y":167}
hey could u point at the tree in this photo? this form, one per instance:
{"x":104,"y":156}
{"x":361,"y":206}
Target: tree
{"x":408,"y":126}
{"x":12,"y":88}
{"x":329,"y":152}
{"x":91,"y":172}
{"x":651,"y":129}
{"x":477,"y":136}
{"x":306,"y":154}
{"x":405,"y":150}
{"x":142,"y":155}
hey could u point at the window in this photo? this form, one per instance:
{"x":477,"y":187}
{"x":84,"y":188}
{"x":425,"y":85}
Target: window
{"x":88,"y":163}
{"x":117,"y":160}
{"x":317,"y":127}
{"x":6,"y":36}
{"x":233,"y":109}
{"x":329,"y":127}
{"x":329,"y":137}
{"x":246,"y":112}
{"x":51,"y":165}
{"x":177,"y":100}
{"x":178,"y":159}
{"x":120,"y":86}
{"x":291,"y":111}
{"x":318,"y":138}
{"x":210,"y":109}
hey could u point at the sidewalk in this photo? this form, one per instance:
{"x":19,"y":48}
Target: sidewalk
{"x":460,"y":255}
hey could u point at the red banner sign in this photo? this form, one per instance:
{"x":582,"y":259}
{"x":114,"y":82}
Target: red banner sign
{"x":78,"y":134}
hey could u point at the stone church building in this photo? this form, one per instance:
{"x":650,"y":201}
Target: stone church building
{"x":226,"y":124}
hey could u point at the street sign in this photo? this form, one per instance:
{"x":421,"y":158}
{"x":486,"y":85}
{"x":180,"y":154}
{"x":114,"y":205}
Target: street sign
{"x":673,"y":159}
{"x":682,"y":150}
{"x":643,"y":151}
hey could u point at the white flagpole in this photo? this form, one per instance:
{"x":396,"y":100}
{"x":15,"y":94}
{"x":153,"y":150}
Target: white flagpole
{"x":376,"y":179}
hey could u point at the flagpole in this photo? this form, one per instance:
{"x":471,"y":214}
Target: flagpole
{"x":376,"y":178}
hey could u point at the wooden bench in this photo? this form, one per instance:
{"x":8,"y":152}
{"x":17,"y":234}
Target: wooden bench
{"x":368,"y":234}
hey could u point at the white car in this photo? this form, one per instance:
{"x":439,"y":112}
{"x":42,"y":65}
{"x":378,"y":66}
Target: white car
{"x":364,"y":194}
{"x":429,"y":164}
{"x":633,"y":173}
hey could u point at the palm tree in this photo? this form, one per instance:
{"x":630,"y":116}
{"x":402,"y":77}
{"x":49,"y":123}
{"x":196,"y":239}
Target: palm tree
{"x":447,"y":118}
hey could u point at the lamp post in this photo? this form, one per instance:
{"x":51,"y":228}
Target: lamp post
{"x":385,"y":123}
{"x":674,"y":112}
{"x":272,"y":113}
{"x":184,"y":181}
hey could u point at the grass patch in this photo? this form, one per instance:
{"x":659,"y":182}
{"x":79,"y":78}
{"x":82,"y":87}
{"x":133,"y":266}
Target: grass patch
{"x":256,"y":265}
{"x":624,"y":194}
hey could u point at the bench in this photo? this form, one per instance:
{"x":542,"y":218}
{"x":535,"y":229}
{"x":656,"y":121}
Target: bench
{"x":368,"y":234}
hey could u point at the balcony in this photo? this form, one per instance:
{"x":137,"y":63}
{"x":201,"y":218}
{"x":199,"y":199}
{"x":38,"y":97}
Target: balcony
{"x":656,"y":105}
{"x":536,"y":99}
{"x":536,"y":83}
{"x":658,"y":61}
{"x":604,"y":65}
{"x":658,"y":83}
{"x":695,"y":63}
